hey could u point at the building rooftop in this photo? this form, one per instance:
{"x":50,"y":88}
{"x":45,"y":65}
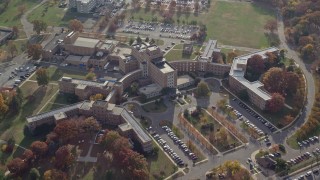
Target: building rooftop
{"x":210,"y":48}
{"x":86,"y":42}
{"x":125,"y":127}
{"x":150,"y":88}
{"x":106,"y":84}
{"x":78,"y":59}
{"x":143,"y":136}
{"x":60,"y":116}
{"x":184,"y":79}
{"x":53,"y":112}
{"x":238,"y":69}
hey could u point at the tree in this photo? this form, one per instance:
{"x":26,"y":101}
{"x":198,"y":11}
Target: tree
{"x":3,"y":107}
{"x":119,"y":145}
{"x":17,"y":166}
{"x":27,"y":155}
{"x":89,"y":124}
{"x":39,"y":148}
{"x":147,"y":39}
{"x":54,"y":174}
{"x":22,"y":8}
{"x":196,"y":6}
{"x":255,"y":64}
{"x":292,"y":82}
{"x":34,"y":51}
{"x":272,"y":58}
{"x":139,"y":40}
{"x":276,"y":103}
{"x":231,"y":167}
{"x":90,"y":76}
{"x":34,"y":174}
{"x":109,"y":138}
{"x":112,"y":27}
{"x":231,"y":56}
{"x":42,"y":77}
{"x":135,"y":164}
{"x":134,"y":87}
{"x":274,"y":80}
{"x":307,"y":51}
{"x":66,"y":130}
{"x":63,"y":157}
{"x":75,"y":25}
{"x":271,"y":26}
{"x":12,"y":48}
{"x":96,"y":97}
{"x":39,"y":25}
{"x":202,"y":89}
{"x":281,"y":165}
{"x":131,"y":41}
{"x":15,"y":31}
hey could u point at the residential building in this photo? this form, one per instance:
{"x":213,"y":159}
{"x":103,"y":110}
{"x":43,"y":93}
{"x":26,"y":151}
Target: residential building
{"x":154,"y":66}
{"x":84,"y":89}
{"x":104,"y":112}
{"x":83,"y":6}
{"x":237,"y":81}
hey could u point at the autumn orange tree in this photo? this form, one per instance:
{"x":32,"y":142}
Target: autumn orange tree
{"x":34,"y":51}
{"x":75,"y":25}
{"x":63,"y":157}
{"x":42,"y":77}
{"x":17,"y":166}
{"x":39,"y":148}
{"x":276,"y":103}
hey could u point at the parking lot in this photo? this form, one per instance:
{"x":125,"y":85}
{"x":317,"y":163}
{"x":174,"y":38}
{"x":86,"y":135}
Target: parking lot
{"x":173,"y":146}
{"x":15,"y":74}
{"x":183,"y":32}
{"x":259,"y":122}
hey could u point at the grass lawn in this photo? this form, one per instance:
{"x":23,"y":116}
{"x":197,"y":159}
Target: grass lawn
{"x":10,"y":17}
{"x":205,"y":118}
{"x":176,"y":54}
{"x":50,"y":106}
{"x":154,"y":108}
{"x":55,"y":74}
{"x":20,"y":44}
{"x":231,"y":23}
{"x":50,"y":13}
{"x":13,"y":124}
{"x":160,"y":166}
{"x":226,"y":51}
{"x":292,"y":142}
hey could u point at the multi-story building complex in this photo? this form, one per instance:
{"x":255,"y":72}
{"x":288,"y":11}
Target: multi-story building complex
{"x":84,"y":89}
{"x":83,"y":6}
{"x":205,"y":63}
{"x":237,"y":82}
{"x":154,"y":66}
{"x":104,"y":112}
{"x":78,"y":44}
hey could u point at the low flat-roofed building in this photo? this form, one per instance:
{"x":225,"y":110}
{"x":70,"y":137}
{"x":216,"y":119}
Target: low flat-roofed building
{"x":237,"y":82}
{"x":187,"y":49}
{"x":151,"y":90}
{"x":78,"y":61}
{"x":5,"y":34}
{"x":184,"y":81}
{"x":83,"y":88}
{"x":210,"y":49}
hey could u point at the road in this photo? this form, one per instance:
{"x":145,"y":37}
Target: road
{"x":27,"y":26}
